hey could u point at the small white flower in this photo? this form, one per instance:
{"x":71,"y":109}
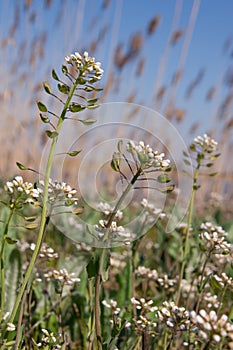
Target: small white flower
{"x":10,"y":327}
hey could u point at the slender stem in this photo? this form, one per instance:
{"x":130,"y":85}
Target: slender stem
{"x":97,"y":311}
{"x":18,"y":333}
{"x":221,"y":300}
{"x":165,"y":340}
{"x":45,"y":203}
{"x":2,"y":262}
{"x":201,"y":281}
{"x":103,"y":257}
{"x":186,"y":244}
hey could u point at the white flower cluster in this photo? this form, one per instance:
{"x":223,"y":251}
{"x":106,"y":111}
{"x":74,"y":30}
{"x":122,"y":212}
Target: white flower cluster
{"x":211,"y":300}
{"x":85,"y":64}
{"x":18,"y":187}
{"x":49,"y":339}
{"x":106,"y":209}
{"x":174,"y":317}
{"x":224,"y":280}
{"x":211,"y":327}
{"x":63,"y":276}
{"x":206,"y":143}
{"x":143,"y":271}
{"x":147,"y":156}
{"x":112,"y":304}
{"x":46,"y":252}
{"x":214,"y":238}
{"x":62,"y":192}
{"x":162,"y":281}
{"x":151,"y":209}
{"x":10,"y":327}
{"x":145,"y":319}
{"x":114,"y":231}
{"x":142,"y":304}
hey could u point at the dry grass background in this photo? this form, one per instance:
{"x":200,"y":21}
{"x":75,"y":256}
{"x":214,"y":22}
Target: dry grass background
{"x":28,"y":56}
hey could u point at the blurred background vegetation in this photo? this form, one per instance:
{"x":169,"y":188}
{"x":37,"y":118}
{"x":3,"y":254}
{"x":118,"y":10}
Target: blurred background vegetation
{"x":173,"y":57}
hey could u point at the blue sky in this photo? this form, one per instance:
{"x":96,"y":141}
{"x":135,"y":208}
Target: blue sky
{"x":81,"y":21}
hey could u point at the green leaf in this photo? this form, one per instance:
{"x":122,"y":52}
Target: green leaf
{"x":41,"y":107}
{"x":113,"y":166}
{"x":168,"y":169}
{"x":97,"y":89}
{"x":209,"y":165}
{"x":31,"y":226}
{"x":105,"y":266}
{"x":30,"y":218}
{"x":82,"y":81}
{"x":92,"y":100}
{"x":213,"y":174}
{"x":75,"y":107}
{"x":93,"y":266}
{"x":196,"y":187}
{"x":92,"y":106}
{"x":44,"y":118}
{"x":88,"y":88}
{"x":163,"y":178}
{"x":74,"y":153}
{"x":13,"y":276}
{"x":167,"y":189}
{"x":64,"y":69}
{"x":187,"y":162}
{"x":87,"y":121}
{"x":54,"y":75}
{"x":51,"y":134}
{"x":185,"y":154}
{"x":215,"y":285}
{"x":192,"y":147}
{"x":47,"y":88}
{"x":119,"y":145}
{"x":92,"y":81}
{"x":21,"y":166}
{"x":11,"y":241}
{"x":215,"y":156}
{"x":63,"y":88}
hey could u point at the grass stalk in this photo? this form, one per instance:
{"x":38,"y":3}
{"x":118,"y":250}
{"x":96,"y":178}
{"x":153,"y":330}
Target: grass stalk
{"x":44,"y":217}
{"x":186,"y":243}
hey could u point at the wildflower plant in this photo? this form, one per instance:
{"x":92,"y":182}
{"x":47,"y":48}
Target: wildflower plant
{"x":204,"y":151}
{"x":167,"y":290}
{"x":80,"y":73}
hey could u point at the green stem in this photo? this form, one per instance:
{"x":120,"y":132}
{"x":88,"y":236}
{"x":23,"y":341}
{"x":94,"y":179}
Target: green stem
{"x":3,"y":291}
{"x":103,"y":257}
{"x":186,"y":244}
{"x":222,"y":298}
{"x":201,"y":281}
{"x":165,"y":340}
{"x":45,"y":203}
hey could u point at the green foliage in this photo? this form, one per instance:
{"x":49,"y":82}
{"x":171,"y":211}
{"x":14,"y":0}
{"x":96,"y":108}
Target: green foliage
{"x":54,"y":75}
{"x":51,"y":134}
{"x":21,"y":166}
{"x":47,"y":88}
{"x":13,"y":276}
{"x":63,"y":88}
{"x":75,"y":107}
{"x":87,"y":121}
{"x":42,"y":107}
